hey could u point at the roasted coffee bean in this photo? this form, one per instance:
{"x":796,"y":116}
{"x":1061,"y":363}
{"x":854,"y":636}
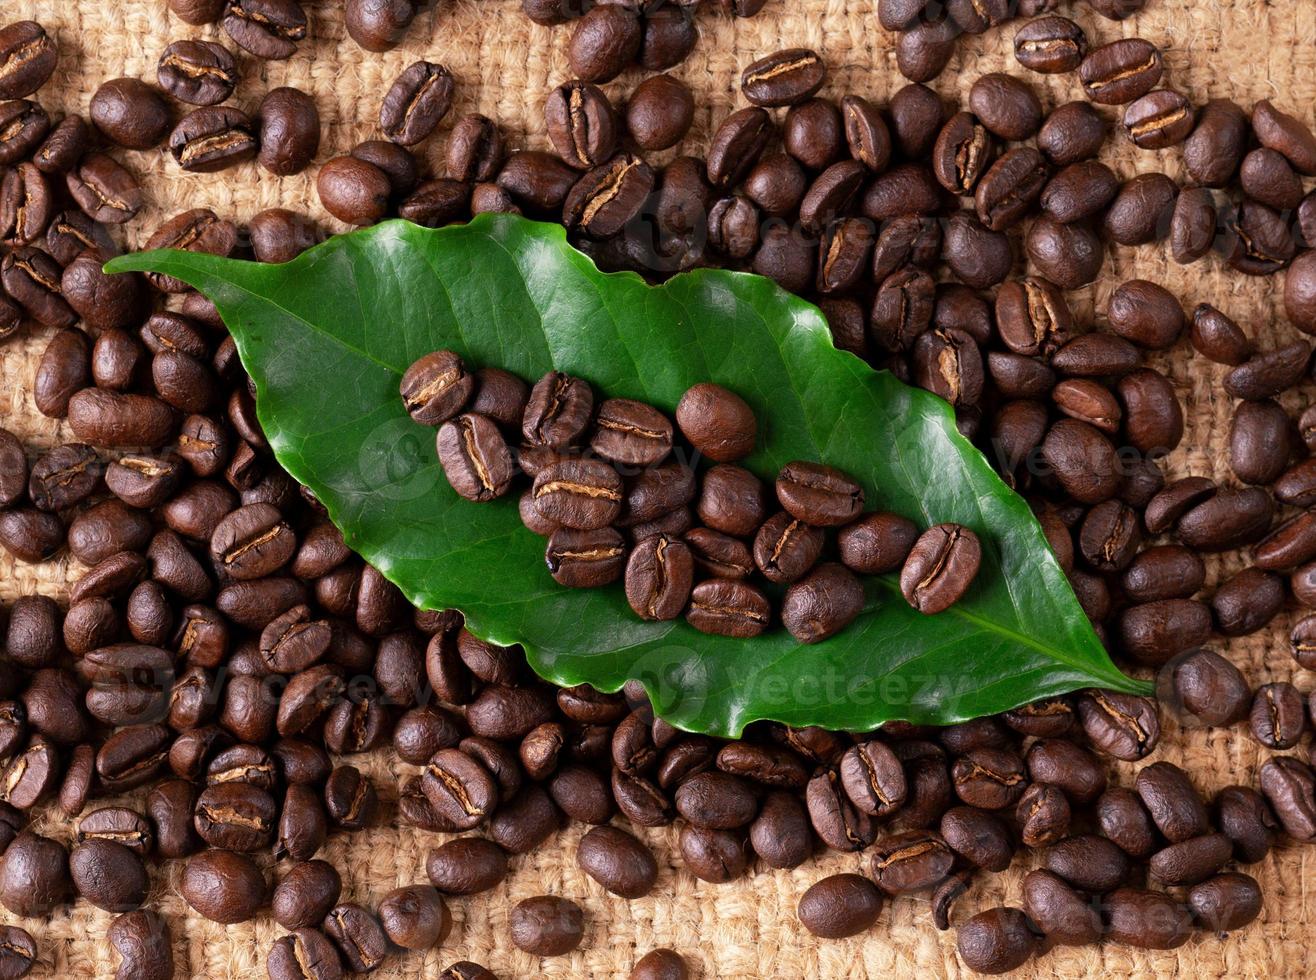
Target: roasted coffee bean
{"x":1212,"y":688}
{"x":716,"y":856}
{"x":940,"y":568}
{"x":631,"y":433}
{"x":558,"y":411}
{"x":1050,"y":45}
{"x":1082,"y":190}
{"x":32,"y":278}
{"x":1192,"y":861}
{"x":236,"y":816}
{"x":23,"y":126}
{"x":547,"y":925}
{"x":814,"y":134}
{"x":1109,"y":536}
{"x":1286,"y":134}
{"x":169,"y":807}
{"x":1213,"y":151}
{"x":618,"y":861}
{"x":785,"y":78}
{"x":118,"y":825}
{"x":962,"y":153}
{"x":1146,"y":314}
{"x":268,"y":29}
{"x":1154,"y":422}
{"x":144,"y":944}
{"x":1247,"y":602}
{"x":1088,"y":862}
{"x":1268,"y":374}
{"x":198,"y":72}
{"x":659,"y":576}
{"x":130,"y":113}
{"x":34,"y":879}
{"x":777,"y":185}
{"x":1069,"y":766}
{"x":1142,"y":211}
{"x":108,"y":875}
{"x":1064,"y":917}
{"x":1071,"y":133}
{"x":1154,"y":632}
{"x":1174,"y":805}
{"x":736,"y":146}
{"x":28,"y":56}
{"x":979,"y":837}
{"x":33,"y":774}
{"x":213,"y":138}
{"x":659,"y":112}
{"x":1277,"y":716}
{"x":585,"y":559}
{"x":604,"y":42}
{"x":1006,"y":105}
{"x":909,"y":862}
{"x":1193,"y":225}
{"x":1145,"y":919}
{"x":1121,"y":71}
{"x":1068,"y":255}
{"x":821,"y":496}
{"x":1225,"y":902}
{"x":353,"y":190}
{"x":289,"y":131}
{"x":306,"y":894}
{"x":1216,"y":336}
{"x":466,"y":866}
{"x":305,"y":954}
{"x":582,"y":494}
{"x":1158,"y":120}
{"x":1290,"y":788}
{"x":64,"y":477}
{"x":902,"y":309}
{"x":379,"y":26}
{"x":923,"y":51}
{"x":475,"y":148}
{"x":415,"y":917}
{"x":1043,"y":814}
{"x":822,"y":603}
{"x":252,"y":542}
{"x":475,"y":458}
{"x":26,"y":207}
{"x":459,"y":788}
{"x":876,"y":543}
{"x":785,"y":548}
{"x":1227,"y":520}
{"x":839,"y":824}
{"x":996,"y":941}
{"x":418,"y":100}
{"x":1033,"y":317}
{"x":780,"y":834}
{"x":436,"y":387}
{"x":1246,"y":818}
{"x":358,"y":935}
{"x":605,"y":199}
{"x":840,"y":905}
{"x":716,"y":801}
{"x":1120,"y":725}
{"x":223,"y":886}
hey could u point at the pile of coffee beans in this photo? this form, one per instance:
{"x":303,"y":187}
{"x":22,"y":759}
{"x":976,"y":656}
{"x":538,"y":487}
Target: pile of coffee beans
{"x":225,"y":656}
{"x":613,"y":491}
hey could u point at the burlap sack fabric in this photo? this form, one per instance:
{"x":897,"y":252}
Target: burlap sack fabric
{"x":1243,"y":49}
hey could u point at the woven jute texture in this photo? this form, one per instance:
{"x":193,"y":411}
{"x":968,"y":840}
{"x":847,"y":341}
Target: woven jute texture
{"x":1243,"y":49}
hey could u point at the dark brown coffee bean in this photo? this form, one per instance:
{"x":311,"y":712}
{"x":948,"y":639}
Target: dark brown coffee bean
{"x":1051,"y":45}
{"x":822,"y":603}
{"x":1064,"y":916}
{"x":1145,"y":919}
{"x":617,"y":861}
{"x":475,"y":458}
{"x":923,"y":51}
{"x":1266,"y":375}
{"x":1216,"y":336}
{"x":466,"y":866}
{"x":1227,"y":520}
{"x":784,"y":78}
{"x":736,"y":146}
{"x":1121,"y":71}
{"x":784,"y":549}
{"x":659,"y":577}
{"x":223,"y":886}
{"x":1071,"y":133}
{"x":198,"y":72}
{"x":1120,"y":725}
{"x":547,"y":925}
{"x":358,"y":935}
{"x":28,"y":56}
{"x":840,"y":905}
{"x":289,"y":131}
{"x":459,"y":788}
{"x":1043,"y":814}
{"x":606,"y":198}
{"x":34,"y":879}
{"x":909,"y":862}
{"x":604,"y":42}
{"x":1088,"y":862}
{"x":1158,"y":120}
{"x":940,"y":568}
{"x":213,"y":138}
{"x":130,"y":113}
{"x":1287,"y":134}
{"x":23,"y":127}
{"x":585,"y":559}
{"x":419,"y":98}
{"x":269,"y":29}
